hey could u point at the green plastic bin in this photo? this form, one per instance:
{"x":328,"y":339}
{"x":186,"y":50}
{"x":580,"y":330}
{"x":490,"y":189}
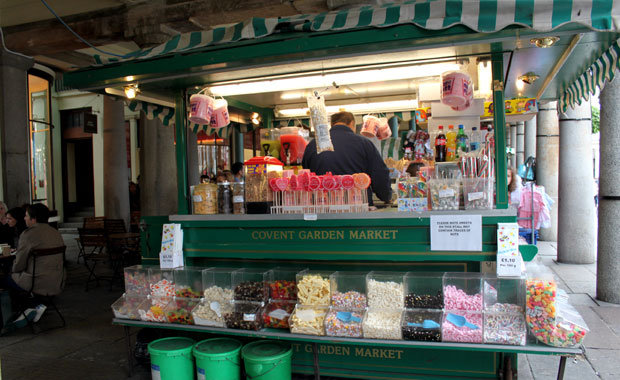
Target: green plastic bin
{"x":267,"y":360}
{"x":171,"y":359}
{"x":218,"y":359}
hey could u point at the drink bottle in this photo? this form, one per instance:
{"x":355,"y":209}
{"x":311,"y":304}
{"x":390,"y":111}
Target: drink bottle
{"x":450,"y":144}
{"x":440,"y":146}
{"x":474,"y":140}
{"x":462,"y":142}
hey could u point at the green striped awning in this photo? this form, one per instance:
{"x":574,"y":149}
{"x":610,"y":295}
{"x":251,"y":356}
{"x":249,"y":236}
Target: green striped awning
{"x":166,"y":114}
{"x":222,"y":132}
{"x":479,"y":15}
{"x":596,"y":76}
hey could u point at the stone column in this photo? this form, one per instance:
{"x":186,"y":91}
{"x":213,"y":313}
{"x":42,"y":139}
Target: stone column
{"x":14,"y":128}
{"x":158,"y":187}
{"x":608,"y":264}
{"x":520,"y":143}
{"x":576,"y":209}
{"x":115,"y":171}
{"x":547,"y":155}
{"x":530,"y":138}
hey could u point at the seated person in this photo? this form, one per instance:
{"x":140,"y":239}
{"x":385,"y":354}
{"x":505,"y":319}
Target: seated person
{"x":6,"y":233}
{"x":38,"y":235}
{"x":17,"y":225}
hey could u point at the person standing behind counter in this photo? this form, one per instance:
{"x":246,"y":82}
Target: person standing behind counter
{"x":352,"y":154}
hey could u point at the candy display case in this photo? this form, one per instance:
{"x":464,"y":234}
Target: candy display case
{"x":348,"y":289}
{"x":424,"y":290}
{"x":258,"y":171}
{"x":211,"y":312}
{"x":385,"y":289}
{"x":445,"y":194}
{"x":462,"y":291}
{"x":478,"y":193}
{"x":506,"y":294}
{"x":313,"y":287}
{"x":137,"y":279}
{"x":505,"y":328}
{"x":464,"y":326}
{"x":422,"y":325}
{"x":188,"y":282}
{"x":161,"y":282}
{"x":250,"y":285}
{"x":277,"y":313}
{"x":152,"y":309}
{"x":245,"y":315}
{"x":179,"y":310}
{"x":282,"y":283}
{"x":308,"y":319}
{"x":344,"y":322}
{"x":382,"y":323}
{"x":217,"y":297}
{"x":126,"y":306}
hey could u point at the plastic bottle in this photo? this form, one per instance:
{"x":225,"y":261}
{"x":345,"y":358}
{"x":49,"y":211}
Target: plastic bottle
{"x":490,"y":138}
{"x":462,"y":142}
{"x":450,"y":144}
{"x":474,"y":139}
{"x":440,"y":146}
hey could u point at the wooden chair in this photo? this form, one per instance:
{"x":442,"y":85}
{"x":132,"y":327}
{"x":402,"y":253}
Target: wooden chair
{"x":31,"y":299}
{"x":116,"y":249}
{"x":91,"y":223}
{"x":92,"y":243}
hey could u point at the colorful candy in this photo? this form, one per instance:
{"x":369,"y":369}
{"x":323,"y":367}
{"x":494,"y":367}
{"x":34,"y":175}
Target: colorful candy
{"x":470,"y":332}
{"x":244,"y":316}
{"x":344,"y":323}
{"x":457,"y":299}
{"x":422,"y":325}
{"x":504,"y":328}
{"x":283,"y":290}
{"x":136,"y":281}
{"x":163,"y":288}
{"x":424,"y":301}
{"x":250,"y":291}
{"x":276,"y":314}
{"x":350,"y":299}
{"x":187,"y":292}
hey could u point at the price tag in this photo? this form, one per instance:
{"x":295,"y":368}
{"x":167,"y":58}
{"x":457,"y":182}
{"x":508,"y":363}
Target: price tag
{"x":310,"y":217}
{"x":446,"y":193}
{"x":306,"y":315}
{"x":249,"y":317}
{"x":279,"y":314}
{"x":238,"y":199}
{"x":475,"y":196}
{"x":197,"y":198}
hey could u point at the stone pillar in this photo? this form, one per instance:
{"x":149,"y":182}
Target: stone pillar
{"x":14,"y":128}
{"x":237,"y":150}
{"x":576,"y":209}
{"x":520,"y":143}
{"x":115,"y":171}
{"x":513,"y":143}
{"x":133,"y":132}
{"x":158,"y":188}
{"x":530,"y":138}
{"x":547,"y":155}
{"x":193,"y":173}
{"x":608,"y":263}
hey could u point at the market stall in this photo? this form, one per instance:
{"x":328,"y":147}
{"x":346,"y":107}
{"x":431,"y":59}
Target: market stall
{"x":577,"y":53}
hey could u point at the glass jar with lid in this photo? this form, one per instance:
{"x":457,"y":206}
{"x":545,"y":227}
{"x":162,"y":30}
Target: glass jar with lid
{"x":224,"y":197}
{"x":204,"y":198}
{"x":238,"y":198}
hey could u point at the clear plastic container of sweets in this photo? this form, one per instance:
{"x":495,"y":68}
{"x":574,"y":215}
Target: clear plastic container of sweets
{"x":344,"y":322}
{"x":422,"y":325}
{"x":188,"y":282}
{"x":308,"y":319}
{"x":462,"y":291}
{"x":313,"y":287}
{"x":245,"y":316}
{"x":424,"y":290}
{"x":179,"y":310}
{"x":137,"y":279}
{"x":282,"y":283}
{"x":383,"y":323}
{"x":217,"y":297}
{"x":385,"y":290}
{"x":462,"y":326}
{"x":161,"y":282}
{"x":250,"y":285}
{"x":277,"y":314}
{"x":348,"y":289}
{"x":238,"y":197}
{"x":126,"y":306}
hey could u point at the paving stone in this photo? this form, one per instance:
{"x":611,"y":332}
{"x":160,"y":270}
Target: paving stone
{"x":545,"y":367}
{"x":581,"y":299}
{"x":605,"y":362}
{"x":600,"y":335}
{"x":524,"y":371}
{"x":611,"y":316}
{"x":588,"y":287}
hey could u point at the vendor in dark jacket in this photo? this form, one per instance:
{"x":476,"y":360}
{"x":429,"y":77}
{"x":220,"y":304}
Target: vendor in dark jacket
{"x":352,"y":154}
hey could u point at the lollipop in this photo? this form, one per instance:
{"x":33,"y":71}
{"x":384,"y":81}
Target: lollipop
{"x":362,"y":180}
{"x":347,"y":182}
{"x":272,"y":184}
{"x":329,"y":182}
{"x":314,"y":183}
{"x":303,"y":180}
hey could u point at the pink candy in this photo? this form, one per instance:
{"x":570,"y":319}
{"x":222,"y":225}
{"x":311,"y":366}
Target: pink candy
{"x":457,"y":299}
{"x":464,"y":334}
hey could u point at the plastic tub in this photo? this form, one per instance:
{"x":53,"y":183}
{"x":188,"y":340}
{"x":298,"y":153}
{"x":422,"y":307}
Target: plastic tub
{"x":424,"y":290}
{"x":126,"y":307}
{"x":277,"y":314}
{"x":218,"y":359}
{"x":161,"y":282}
{"x":471,"y":331}
{"x":422,"y":325}
{"x":308,"y":320}
{"x":245,"y":315}
{"x":188,"y":282}
{"x":179,"y":310}
{"x":383,"y":323}
{"x":505,"y":294}
{"x":282,"y":283}
{"x":478,"y":193}
{"x":152,"y":309}
{"x":313,"y":287}
{"x":267,"y":360}
{"x":171,"y":358}
{"x":348,"y":289}
{"x":344,"y":322}
{"x":137,"y":279}
{"x":385,"y":289}
{"x":250,"y":285}
{"x":462,"y":291}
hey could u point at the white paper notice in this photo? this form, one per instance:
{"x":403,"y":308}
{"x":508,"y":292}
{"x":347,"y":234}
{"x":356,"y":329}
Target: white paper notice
{"x":456,"y":233}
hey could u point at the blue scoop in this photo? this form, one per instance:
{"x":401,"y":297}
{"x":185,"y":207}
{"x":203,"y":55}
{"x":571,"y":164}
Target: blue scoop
{"x":427,"y":324}
{"x":460,"y":321}
{"x":347,"y":317}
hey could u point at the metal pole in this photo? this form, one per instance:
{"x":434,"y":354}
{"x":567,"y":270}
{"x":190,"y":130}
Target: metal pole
{"x":181,"y":153}
{"x":501,"y":189}
{"x":562,"y":368}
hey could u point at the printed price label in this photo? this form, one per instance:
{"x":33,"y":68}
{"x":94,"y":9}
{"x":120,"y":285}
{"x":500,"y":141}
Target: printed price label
{"x":197,"y":198}
{"x":446,"y":193}
{"x":249,"y":317}
{"x":279,"y":314}
{"x":475,"y":196}
{"x":238,"y":199}
{"x":310,"y":217}
{"x":306,"y":315}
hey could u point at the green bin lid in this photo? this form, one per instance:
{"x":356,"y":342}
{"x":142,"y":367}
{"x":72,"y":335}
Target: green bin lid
{"x":171,"y":346}
{"x":217,"y":347}
{"x":266,"y":350}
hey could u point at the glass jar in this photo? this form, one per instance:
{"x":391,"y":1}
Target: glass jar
{"x":204,"y":198}
{"x":238,"y":198}
{"x":224,"y":197}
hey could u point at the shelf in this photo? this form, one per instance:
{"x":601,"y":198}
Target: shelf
{"x":284,"y":335}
